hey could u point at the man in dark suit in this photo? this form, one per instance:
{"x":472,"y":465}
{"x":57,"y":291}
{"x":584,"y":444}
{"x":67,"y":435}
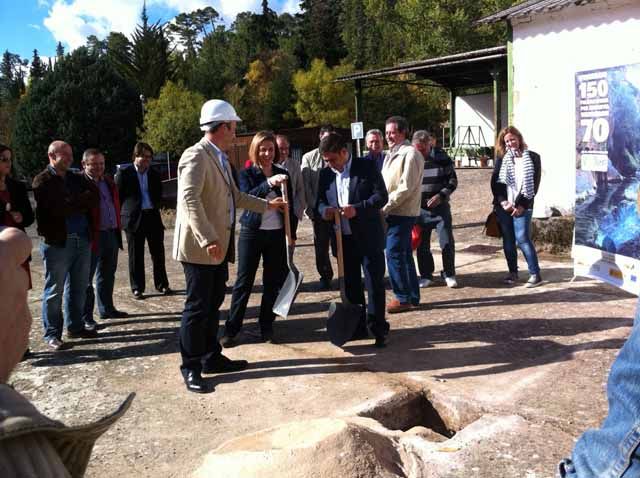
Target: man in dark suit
{"x":140,"y":191}
{"x":355,"y":188}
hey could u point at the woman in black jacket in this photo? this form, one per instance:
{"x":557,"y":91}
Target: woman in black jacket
{"x":15,"y":208}
{"x":514,"y":183}
{"x":261,"y":236}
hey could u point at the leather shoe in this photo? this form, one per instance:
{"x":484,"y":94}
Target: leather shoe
{"x":267,"y":336}
{"x":114,"y":314}
{"x":83,"y":334}
{"x":380,"y":342}
{"x":56,"y":344}
{"x":196,"y":384}
{"x":325,"y":284}
{"x":395,"y":307}
{"x":224,"y":364}
{"x":228,"y":341}
{"x":165,"y":290}
{"x":138,"y":295}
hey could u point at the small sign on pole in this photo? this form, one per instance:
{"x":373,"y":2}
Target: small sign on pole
{"x":357,"y":130}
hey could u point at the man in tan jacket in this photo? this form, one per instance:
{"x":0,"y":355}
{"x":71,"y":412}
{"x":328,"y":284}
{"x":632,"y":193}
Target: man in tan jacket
{"x":402,"y":173}
{"x":204,"y":241}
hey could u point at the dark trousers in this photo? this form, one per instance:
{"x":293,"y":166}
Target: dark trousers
{"x":152,"y":232}
{"x":199,"y":326}
{"x":252,"y":245}
{"x":438,"y":218}
{"x":323,"y":236}
{"x":372,"y":263}
{"x":104,"y":263}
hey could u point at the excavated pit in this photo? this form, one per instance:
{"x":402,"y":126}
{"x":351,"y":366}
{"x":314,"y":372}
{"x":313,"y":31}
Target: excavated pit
{"x":409,"y":409}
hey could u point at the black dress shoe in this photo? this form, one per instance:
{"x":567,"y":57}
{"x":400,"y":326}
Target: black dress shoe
{"x":114,"y":314}
{"x":325,"y":284}
{"x":224,"y":364}
{"x":267,"y":336}
{"x":83,"y":334}
{"x":165,"y":290}
{"x":137,"y":295}
{"x":228,"y":341}
{"x":196,"y":384}
{"x":380,"y":342}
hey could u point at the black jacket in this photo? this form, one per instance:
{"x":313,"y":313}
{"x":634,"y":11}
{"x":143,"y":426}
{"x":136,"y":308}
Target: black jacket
{"x":54,"y":203}
{"x":19,"y":202}
{"x":499,"y":190}
{"x":131,"y":197}
{"x":253,"y":181}
{"x":368,"y":194}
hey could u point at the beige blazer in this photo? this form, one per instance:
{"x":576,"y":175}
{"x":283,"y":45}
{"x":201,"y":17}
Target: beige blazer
{"x":202,"y":212}
{"x":402,"y":171}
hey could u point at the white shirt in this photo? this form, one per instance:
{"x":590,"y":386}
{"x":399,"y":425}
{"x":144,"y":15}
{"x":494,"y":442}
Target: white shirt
{"x":340,"y":197}
{"x":518,"y":171}
{"x":271,"y":219}
{"x":223,"y":162}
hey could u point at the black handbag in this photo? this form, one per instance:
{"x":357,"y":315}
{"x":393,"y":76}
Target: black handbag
{"x":491,"y":226}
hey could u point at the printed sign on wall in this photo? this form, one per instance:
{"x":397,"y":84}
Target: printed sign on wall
{"x":607,"y":232}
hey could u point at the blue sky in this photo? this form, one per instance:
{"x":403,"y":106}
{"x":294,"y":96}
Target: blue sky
{"x":29,"y":24}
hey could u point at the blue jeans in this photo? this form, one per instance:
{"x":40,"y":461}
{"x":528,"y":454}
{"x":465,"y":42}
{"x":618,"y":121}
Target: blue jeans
{"x":517,"y":231}
{"x":402,"y":269}
{"x":438,"y":218}
{"x":72,"y":260}
{"x":612,"y":450}
{"x":104,"y":263}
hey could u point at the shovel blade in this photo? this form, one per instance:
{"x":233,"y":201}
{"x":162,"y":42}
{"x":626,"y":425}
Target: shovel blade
{"x":288,"y":293}
{"x":342,"y":322}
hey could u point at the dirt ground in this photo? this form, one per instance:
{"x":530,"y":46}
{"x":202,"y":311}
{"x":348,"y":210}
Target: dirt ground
{"x":535,"y":358}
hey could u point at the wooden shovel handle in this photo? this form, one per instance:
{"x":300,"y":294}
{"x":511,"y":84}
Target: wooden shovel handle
{"x":338,"y":231}
{"x":287,"y":220}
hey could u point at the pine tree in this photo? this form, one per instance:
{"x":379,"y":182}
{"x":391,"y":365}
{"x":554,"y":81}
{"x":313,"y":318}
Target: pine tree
{"x":59,"y":50}
{"x":37,"y":70}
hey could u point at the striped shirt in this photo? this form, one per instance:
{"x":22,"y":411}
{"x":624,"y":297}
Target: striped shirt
{"x":438,"y":177}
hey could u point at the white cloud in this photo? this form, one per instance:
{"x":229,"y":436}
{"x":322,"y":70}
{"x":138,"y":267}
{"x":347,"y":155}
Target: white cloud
{"x":34,"y":26}
{"x":72,"y":21}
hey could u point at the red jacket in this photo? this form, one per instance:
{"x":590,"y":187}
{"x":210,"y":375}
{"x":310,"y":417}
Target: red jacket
{"x":95,"y":214}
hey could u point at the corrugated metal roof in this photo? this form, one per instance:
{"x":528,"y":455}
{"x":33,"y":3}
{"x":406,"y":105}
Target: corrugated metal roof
{"x":531,"y":7}
{"x":444,"y":66}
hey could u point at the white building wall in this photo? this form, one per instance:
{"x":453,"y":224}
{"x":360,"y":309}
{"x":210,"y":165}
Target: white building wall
{"x":548,"y":50}
{"x":476,"y":111}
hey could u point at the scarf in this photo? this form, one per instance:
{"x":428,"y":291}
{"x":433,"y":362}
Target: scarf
{"x":508,"y":173}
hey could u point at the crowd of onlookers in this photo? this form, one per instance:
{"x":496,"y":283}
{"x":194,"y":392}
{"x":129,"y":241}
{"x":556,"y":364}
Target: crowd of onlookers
{"x":81,"y":215}
{"x":369,"y":206}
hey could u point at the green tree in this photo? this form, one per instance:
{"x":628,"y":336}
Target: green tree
{"x":85,"y":102}
{"x":96,"y":47}
{"x":12,"y":73}
{"x":171,"y":120}
{"x":37,"y":70}
{"x":59,"y":50}
{"x":320,"y":100}
{"x":320,"y":23}
{"x":146,"y":60}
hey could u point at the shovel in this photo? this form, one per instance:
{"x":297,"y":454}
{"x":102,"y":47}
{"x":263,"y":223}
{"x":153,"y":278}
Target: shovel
{"x":289,"y":289}
{"x":343,"y":317}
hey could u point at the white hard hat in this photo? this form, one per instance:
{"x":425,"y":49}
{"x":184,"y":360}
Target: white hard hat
{"x":216,"y":111}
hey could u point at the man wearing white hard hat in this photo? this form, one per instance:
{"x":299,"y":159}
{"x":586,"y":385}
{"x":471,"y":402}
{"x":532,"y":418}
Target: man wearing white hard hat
{"x":204,"y":241}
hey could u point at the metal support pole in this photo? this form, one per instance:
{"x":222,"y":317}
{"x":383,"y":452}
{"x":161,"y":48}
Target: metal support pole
{"x":497,"y":101}
{"x":452,"y":117}
{"x":358,"y":112}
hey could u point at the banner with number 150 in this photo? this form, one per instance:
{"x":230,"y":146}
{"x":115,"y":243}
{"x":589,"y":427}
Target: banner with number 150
{"x":607,"y":233}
